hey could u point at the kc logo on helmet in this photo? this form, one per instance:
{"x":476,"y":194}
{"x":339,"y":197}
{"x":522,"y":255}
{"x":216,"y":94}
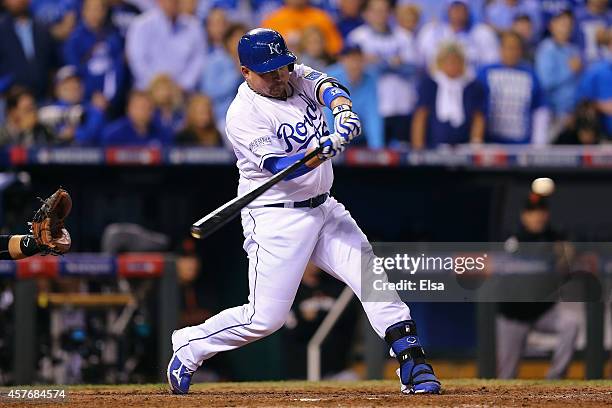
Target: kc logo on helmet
{"x":275,"y":48}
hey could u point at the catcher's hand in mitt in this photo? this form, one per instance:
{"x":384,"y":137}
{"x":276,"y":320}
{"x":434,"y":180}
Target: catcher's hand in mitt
{"x":47,"y":227}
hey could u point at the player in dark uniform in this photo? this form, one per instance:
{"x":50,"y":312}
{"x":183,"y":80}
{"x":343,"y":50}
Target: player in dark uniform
{"x":517,"y":319}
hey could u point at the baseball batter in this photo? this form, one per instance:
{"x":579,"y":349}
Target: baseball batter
{"x":276,"y":118}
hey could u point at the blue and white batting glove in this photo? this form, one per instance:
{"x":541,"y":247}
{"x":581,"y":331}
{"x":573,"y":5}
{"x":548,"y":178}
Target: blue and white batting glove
{"x":346,"y":123}
{"x":332,"y":145}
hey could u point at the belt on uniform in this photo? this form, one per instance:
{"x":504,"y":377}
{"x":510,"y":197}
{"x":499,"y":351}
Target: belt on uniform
{"x":310,"y":203}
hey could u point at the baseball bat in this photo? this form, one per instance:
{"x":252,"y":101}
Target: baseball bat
{"x":212,"y":222}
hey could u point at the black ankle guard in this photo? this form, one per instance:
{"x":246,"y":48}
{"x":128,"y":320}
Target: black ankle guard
{"x":403,"y":330}
{"x":408,"y":328}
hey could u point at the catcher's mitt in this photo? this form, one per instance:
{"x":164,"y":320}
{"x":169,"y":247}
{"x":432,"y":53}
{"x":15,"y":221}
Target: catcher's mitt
{"x":47,"y":226}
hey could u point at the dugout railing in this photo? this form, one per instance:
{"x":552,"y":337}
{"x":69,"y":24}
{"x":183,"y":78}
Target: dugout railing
{"x":159,"y":267}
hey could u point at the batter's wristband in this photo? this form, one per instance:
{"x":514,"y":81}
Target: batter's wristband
{"x":28,"y":245}
{"x":333,"y":92}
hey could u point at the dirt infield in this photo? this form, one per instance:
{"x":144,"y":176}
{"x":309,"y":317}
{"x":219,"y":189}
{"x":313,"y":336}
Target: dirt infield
{"x":457,"y":393}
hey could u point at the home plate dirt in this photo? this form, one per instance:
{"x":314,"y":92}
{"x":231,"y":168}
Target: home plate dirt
{"x":456,"y":393}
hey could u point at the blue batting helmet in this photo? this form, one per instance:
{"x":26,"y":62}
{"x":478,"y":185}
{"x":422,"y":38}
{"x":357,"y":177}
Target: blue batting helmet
{"x":263,"y":50}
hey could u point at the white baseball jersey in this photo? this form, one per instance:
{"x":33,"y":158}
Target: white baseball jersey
{"x":259,"y":128}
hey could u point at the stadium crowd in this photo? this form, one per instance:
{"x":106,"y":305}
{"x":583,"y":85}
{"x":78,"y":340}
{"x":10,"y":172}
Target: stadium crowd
{"x":421,"y":73}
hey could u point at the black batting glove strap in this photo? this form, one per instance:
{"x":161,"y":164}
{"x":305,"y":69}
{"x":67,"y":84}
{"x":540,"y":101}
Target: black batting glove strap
{"x":396,"y":333}
{"x":341,"y":108}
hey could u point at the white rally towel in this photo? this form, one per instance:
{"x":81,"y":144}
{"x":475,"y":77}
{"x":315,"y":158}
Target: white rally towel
{"x":449,"y":98}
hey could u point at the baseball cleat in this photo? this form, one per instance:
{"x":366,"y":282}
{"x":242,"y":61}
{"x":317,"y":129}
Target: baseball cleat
{"x":179,"y":376}
{"x":422,"y":380}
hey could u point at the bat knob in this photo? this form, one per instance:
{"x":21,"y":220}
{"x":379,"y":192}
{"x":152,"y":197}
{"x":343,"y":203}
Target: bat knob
{"x":196,"y":233}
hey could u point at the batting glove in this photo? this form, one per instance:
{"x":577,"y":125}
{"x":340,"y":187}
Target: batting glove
{"x":346,"y":123}
{"x":331,"y":146}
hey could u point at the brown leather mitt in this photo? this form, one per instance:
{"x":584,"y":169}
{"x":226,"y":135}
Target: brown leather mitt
{"x":47,"y":226}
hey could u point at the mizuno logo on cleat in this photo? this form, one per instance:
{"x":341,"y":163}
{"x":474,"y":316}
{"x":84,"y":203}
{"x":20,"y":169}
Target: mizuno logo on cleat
{"x":176,"y":373}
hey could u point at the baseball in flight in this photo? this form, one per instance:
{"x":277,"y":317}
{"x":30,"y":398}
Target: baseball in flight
{"x":543,"y":186}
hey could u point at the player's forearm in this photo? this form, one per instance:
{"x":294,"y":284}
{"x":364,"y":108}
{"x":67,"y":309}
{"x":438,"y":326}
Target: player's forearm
{"x":540,"y":126}
{"x":419,"y":124}
{"x":478,"y":128}
{"x":605,"y":107}
{"x":14,"y":247}
{"x":277,"y":164}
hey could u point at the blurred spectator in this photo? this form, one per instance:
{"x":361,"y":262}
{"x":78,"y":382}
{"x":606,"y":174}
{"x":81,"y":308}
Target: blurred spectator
{"x":478,"y":40}
{"x":596,"y":86}
{"x":523,"y":26}
{"x":221,"y":76}
{"x":72,"y":119}
{"x":200,"y":128}
{"x":585,"y":128}
{"x":558,"y":65}
{"x":167,"y":102}
{"x":329,"y":6}
{"x":295,"y":16}
{"x":351,"y":71}
{"x":162,"y":41}
{"x":349,"y":16}
{"x":312,"y":49}
{"x":551,"y":8}
{"x":194,"y":306}
{"x":516,"y":112}
{"x":189,"y":7}
{"x":517,"y":319}
{"x":138,"y":127}
{"x":392,"y":51}
{"x":96,"y":49}
{"x":27,"y":50}
{"x":22,"y":126}
{"x":593,"y":21}
{"x":500,"y":14}
{"x":59,"y":15}
{"x":122,"y":14}
{"x":451,"y":103}
{"x":249,"y":12}
{"x":144,"y":5}
{"x":408,"y":17}
{"x":433,"y":10}
{"x":216,"y":27}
